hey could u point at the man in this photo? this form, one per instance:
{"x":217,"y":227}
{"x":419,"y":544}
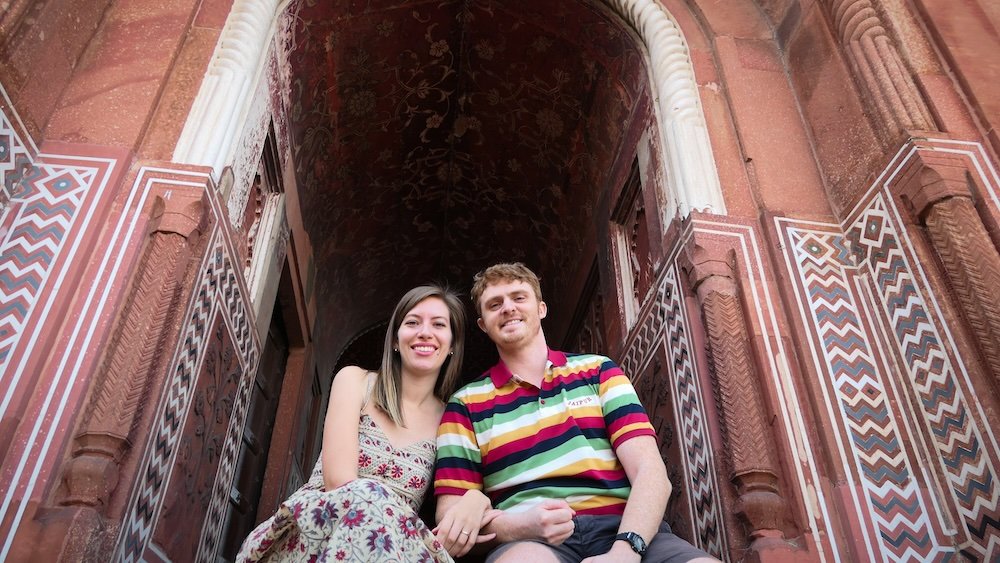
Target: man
{"x":558,"y":441}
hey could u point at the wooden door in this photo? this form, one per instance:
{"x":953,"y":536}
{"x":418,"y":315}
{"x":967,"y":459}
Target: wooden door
{"x":249,"y":478}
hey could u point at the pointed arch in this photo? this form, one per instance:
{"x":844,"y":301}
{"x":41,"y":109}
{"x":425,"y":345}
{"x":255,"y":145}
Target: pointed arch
{"x":691,"y":171}
{"x":223,"y":100}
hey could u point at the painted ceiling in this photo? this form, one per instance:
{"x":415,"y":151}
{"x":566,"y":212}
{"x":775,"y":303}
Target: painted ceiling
{"x":433,"y":138}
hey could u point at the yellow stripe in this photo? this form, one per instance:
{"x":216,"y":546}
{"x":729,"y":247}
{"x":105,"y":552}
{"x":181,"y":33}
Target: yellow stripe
{"x":523,"y":431}
{"x":631,"y":427}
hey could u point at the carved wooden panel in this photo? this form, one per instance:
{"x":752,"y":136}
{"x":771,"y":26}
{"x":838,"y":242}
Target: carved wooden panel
{"x":189,"y":491}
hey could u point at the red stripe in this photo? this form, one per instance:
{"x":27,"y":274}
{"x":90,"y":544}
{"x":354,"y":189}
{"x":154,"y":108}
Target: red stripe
{"x":438,"y":491}
{"x":547,"y":433}
{"x":456,"y":418}
{"x":632,"y":434}
{"x":499,"y":400}
{"x":612,"y":372}
{"x":605,"y":475}
{"x":567,"y":378}
{"x":627,"y":419}
{"x":614,"y":509}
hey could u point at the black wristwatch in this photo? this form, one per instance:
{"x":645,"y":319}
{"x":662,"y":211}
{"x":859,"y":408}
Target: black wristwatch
{"x":634,"y":540}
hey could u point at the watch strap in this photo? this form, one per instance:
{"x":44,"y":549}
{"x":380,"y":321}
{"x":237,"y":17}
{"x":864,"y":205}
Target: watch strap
{"x":634,"y":540}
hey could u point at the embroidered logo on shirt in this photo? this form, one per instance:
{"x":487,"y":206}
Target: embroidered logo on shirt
{"x":582,"y":402}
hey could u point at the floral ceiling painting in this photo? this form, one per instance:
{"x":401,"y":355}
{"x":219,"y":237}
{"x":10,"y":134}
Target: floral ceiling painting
{"x":432,"y":138}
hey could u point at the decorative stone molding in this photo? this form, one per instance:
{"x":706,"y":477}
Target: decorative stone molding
{"x":218,"y":291}
{"x":148,"y":316}
{"x":753,"y":466}
{"x":877,"y":60}
{"x":935,"y":187}
{"x":691,"y":169}
{"x":225,"y":95}
{"x":212,"y":127}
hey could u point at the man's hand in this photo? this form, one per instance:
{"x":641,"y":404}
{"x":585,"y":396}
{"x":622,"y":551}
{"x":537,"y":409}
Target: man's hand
{"x":620,"y":552}
{"x":551,"y":521}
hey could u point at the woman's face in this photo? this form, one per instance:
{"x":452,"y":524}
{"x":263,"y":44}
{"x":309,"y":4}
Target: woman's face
{"x":424,"y":338}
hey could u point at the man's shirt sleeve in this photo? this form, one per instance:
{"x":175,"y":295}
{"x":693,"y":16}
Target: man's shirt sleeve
{"x":623,"y":413}
{"x":458,"y":468}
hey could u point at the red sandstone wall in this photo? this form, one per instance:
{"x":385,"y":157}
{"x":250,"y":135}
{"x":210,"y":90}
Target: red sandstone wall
{"x":802,"y":133}
{"x":119,"y":74}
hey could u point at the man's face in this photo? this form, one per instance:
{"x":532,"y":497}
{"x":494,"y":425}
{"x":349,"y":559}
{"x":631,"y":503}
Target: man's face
{"x":510,"y":313}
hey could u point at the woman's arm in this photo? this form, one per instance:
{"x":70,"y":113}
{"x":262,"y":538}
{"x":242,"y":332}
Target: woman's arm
{"x":340,"y":430}
{"x":467,"y":513}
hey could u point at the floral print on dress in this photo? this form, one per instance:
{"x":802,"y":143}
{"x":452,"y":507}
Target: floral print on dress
{"x":372,"y":518}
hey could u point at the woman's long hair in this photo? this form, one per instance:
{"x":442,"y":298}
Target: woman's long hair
{"x":387,"y":389}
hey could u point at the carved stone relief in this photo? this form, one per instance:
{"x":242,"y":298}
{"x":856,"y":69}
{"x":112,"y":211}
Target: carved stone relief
{"x":127,"y":370}
{"x":190,"y":490}
{"x":936,"y":188}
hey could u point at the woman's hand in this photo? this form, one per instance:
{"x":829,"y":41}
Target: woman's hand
{"x":459,"y":529}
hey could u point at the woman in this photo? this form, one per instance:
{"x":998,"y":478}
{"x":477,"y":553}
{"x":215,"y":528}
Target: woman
{"x":378,"y":453}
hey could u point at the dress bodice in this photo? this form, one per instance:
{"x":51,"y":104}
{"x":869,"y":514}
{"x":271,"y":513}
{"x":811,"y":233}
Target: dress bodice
{"x":407,"y":470}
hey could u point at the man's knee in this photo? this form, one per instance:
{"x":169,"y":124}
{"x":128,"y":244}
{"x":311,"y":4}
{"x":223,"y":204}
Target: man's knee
{"x":519,"y":552}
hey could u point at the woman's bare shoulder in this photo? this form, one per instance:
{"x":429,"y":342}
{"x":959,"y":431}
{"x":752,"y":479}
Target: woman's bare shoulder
{"x":351,"y":379}
{"x":352,"y":372}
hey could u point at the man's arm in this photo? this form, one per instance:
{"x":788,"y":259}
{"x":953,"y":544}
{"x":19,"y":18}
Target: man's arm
{"x":650,"y":492}
{"x":650,"y":487}
{"x":550,"y":521}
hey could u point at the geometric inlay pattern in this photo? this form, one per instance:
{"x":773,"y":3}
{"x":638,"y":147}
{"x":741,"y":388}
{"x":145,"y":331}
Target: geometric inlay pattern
{"x":218,"y":292}
{"x":957,"y":437}
{"x":878,"y":341}
{"x":38,"y":204}
{"x":662,"y":322}
{"x":899,"y":511}
{"x":47,"y":204}
{"x":708,"y":235}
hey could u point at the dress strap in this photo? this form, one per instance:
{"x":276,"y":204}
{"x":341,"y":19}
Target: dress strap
{"x":370,"y":382}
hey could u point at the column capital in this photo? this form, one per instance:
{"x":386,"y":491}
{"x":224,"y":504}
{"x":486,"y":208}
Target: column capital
{"x":930,"y":176}
{"x":709,"y":265}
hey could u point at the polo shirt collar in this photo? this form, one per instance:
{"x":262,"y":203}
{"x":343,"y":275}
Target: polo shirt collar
{"x":501,"y":375}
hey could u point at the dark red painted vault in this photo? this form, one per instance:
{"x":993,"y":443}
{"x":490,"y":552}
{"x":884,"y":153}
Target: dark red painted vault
{"x":431,"y":138}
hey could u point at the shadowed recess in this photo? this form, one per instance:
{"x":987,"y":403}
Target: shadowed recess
{"x":432,"y":138}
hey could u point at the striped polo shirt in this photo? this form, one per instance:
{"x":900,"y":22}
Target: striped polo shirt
{"x":523,"y":445}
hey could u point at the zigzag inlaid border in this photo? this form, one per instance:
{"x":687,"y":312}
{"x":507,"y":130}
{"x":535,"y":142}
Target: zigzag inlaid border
{"x":220,"y":291}
{"x":39,"y":204}
{"x":47,"y":205}
{"x":857,"y":390}
{"x":864,"y":274}
{"x":958,"y":438}
{"x":803,"y":475}
{"x":662,"y":322}
{"x":241,"y":328}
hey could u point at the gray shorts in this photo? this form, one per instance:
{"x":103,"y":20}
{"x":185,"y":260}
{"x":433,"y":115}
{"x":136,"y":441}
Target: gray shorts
{"x":594,"y":535}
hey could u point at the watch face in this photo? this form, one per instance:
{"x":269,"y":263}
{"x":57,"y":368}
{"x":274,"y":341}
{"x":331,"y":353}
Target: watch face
{"x":634,"y":540}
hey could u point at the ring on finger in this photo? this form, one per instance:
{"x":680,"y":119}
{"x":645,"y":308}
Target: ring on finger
{"x":466,"y":533}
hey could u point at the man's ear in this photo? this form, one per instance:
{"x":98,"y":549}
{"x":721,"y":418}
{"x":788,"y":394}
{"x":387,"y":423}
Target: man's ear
{"x":543,"y":310}
{"x":479,"y":323}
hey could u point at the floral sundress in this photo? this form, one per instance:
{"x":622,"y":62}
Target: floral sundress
{"x":372,"y":518}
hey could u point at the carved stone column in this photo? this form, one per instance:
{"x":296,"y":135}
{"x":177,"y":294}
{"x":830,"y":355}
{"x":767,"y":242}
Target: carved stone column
{"x":134,"y":352}
{"x":753,"y":467}
{"x":876,"y":59}
{"x":935,"y":187}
